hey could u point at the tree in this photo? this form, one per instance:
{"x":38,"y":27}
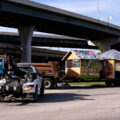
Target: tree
{"x":100,"y":47}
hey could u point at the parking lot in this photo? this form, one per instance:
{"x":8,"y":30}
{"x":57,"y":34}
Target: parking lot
{"x":67,"y":103}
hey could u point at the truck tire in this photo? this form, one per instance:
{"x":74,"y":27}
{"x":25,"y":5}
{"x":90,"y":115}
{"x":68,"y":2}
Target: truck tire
{"x":108,"y":83}
{"x":36,"y":94}
{"x":116,"y":83}
{"x":42,"y":89}
{"x":48,"y":83}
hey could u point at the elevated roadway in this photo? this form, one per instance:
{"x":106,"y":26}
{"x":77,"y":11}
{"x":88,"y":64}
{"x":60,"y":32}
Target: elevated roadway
{"x":18,"y":13}
{"x":37,"y":54}
{"x":46,"y":40}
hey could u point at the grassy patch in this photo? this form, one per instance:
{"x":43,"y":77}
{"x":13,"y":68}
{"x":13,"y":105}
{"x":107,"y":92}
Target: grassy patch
{"x":85,"y":83}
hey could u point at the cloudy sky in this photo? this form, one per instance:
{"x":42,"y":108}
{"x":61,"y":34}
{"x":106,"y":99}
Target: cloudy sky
{"x":86,"y":7}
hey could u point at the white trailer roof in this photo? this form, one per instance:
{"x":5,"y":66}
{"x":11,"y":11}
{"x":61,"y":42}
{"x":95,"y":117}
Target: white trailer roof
{"x":111,"y":54}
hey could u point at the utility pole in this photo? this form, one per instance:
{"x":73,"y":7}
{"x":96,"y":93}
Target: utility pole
{"x":98,"y":9}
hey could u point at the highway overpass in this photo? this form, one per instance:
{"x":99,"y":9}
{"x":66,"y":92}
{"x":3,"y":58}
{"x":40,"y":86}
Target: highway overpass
{"x":38,"y":54}
{"x":46,"y":40}
{"x":18,"y":13}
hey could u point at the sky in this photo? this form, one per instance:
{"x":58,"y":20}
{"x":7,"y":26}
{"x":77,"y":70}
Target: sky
{"x":89,"y":8}
{"x":85,"y":7}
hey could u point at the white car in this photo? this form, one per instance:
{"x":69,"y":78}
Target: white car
{"x":34,"y":84}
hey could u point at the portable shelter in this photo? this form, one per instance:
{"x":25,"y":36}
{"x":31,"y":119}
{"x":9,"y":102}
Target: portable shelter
{"x":83,"y":64}
{"x":111,"y":66}
{"x":110,"y":54}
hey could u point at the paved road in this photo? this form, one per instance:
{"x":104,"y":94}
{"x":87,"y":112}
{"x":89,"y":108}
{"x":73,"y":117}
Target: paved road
{"x":75,"y":103}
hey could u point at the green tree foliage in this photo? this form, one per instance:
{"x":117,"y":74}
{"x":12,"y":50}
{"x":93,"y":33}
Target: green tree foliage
{"x":100,"y":47}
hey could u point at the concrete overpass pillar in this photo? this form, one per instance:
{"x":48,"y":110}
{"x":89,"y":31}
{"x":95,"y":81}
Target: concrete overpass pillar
{"x":25,"y":34}
{"x":107,"y":43}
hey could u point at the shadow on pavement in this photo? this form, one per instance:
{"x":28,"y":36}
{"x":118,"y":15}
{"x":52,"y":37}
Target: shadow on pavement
{"x":53,"y":98}
{"x":80,"y":87}
{"x":62,"y":97}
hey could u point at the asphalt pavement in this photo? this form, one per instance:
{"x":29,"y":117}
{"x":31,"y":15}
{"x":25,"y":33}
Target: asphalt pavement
{"x":67,"y":103}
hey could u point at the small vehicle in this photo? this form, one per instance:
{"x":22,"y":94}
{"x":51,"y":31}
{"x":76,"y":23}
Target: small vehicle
{"x":50,"y":72}
{"x":21,"y":81}
{"x":34,"y":84}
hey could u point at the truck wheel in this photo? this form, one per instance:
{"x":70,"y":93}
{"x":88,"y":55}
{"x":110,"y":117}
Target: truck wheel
{"x":48,"y":83}
{"x":116,"y":83}
{"x":42,"y":89}
{"x":108,"y":83}
{"x":36,"y":94}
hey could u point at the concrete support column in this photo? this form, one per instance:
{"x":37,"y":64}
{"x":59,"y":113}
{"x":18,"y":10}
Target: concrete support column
{"x":25,"y":34}
{"x":107,"y":43}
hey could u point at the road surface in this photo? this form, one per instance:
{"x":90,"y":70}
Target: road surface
{"x":71,"y":103}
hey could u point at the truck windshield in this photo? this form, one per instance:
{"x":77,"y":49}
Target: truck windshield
{"x":27,"y":69}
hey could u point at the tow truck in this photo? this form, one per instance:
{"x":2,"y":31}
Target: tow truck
{"x":20,"y":81}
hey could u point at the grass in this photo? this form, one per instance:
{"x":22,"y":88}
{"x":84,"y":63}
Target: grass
{"x":85,"y":83}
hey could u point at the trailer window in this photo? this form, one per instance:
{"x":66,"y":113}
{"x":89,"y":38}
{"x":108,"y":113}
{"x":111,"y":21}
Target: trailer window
{"x":73,"y":63}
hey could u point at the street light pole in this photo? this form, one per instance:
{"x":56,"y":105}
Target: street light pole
{"x":98,"y":9}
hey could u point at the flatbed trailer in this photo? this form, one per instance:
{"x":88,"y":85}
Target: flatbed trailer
{"x":78,"y":69}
